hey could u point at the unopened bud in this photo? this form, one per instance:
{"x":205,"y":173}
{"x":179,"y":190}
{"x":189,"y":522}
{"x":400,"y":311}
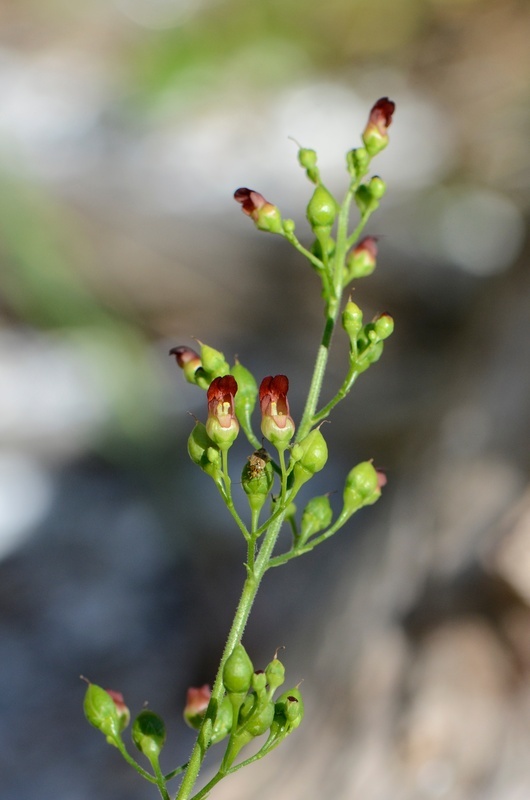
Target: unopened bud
{"x":322,"y":209}
{"x":197,"y":700}
{"x":238,"y":671}
{"x":377,"y":187}
{"x":190,"y":363}
{"x":361,"y":261}
{"x":275,"y":672}
{"x":358,"y":161}
{"x":266,"y":215}
{"x":362,"y":487}
{"x":316,"y":516}
{"x":383,"y":326}
{"x":375,"y":135}
{"x":308,"y":160}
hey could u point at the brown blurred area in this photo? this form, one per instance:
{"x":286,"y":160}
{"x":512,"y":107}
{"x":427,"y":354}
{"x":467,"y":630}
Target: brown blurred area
{"x":125,"y":127}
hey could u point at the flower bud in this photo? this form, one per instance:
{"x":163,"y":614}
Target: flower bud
{"x":222,"y":426}
{"x":124,"y":715}
{"x":190,"y":363}
{"x":316,"y":516}
{"x":197,"y":700}
{"x":277,"y":425}
{"x":361,"y":261}
{"x":101,"y":711}
{"x":322,"y":209}
{"x":377,"y":187}
{"x":288,"y":227}
{"x":238,"y":671}
{"x":310,"y":456}
{"x":358,"y":162}
{"x":266,"y":215}
{"x":213,"y":361}
{"x":375,"y":136}
{"x":308,"y":160}
{"x":257,"y":478}
{"x":362,"y":487}
{"x":383,"y":326}
{"x":366,"y":202}
{"x":149,"y":734}
{"x":352,"y":319}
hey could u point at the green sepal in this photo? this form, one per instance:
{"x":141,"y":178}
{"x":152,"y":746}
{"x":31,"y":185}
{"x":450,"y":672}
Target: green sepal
{"x":316,"y":516}
{"x":149,"y":734}
{"x":308,"y":160}
{"x":245,"y":399}
{"x":352,"y":320}
{"x":223,"y":721}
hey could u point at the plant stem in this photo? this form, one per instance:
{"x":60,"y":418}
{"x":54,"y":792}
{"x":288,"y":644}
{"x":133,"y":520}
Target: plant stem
{"x":248,"y":595}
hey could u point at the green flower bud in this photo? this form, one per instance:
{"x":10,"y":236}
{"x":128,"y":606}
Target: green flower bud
{"x":238,"y":671}
{"x":257,"y":478}
{"x":149,"y":734}
{"x":377,"y":187}
{"x":352,"y":319}
{"x":100,"y":710}
{"x":362,"y":487}
{"x":316,"y":516}
{"x":358,"y":161}
{"x":275,"y":673}
{"x":289,"y":227}
{"x":383,"y":326}
{"x":308,"y":160}
{"x":310,"y":456}
{"x":213,"y":361}
{"x":322,"y":209}
{"x":259,"y":721}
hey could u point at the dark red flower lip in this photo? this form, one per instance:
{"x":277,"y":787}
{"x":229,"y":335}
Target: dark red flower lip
{"x":381,"y":113}
{"x":222,"y":390}
{"x":251,"y":201}
{"x":273,"y":390}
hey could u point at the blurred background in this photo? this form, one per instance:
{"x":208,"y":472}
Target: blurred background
{"x":125,"y":127}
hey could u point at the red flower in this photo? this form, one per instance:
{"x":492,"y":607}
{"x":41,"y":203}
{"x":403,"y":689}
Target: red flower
{"x":362,"y":259}
{"x":277,"y":425}
{"x":266,"y":215}
{"x":375,"y":135}
{"x":124,"y":714}
{"x":197,"y":700}
{"x":222,"y":426}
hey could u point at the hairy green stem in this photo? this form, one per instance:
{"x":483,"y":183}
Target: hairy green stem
{"x":248,"y":595}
